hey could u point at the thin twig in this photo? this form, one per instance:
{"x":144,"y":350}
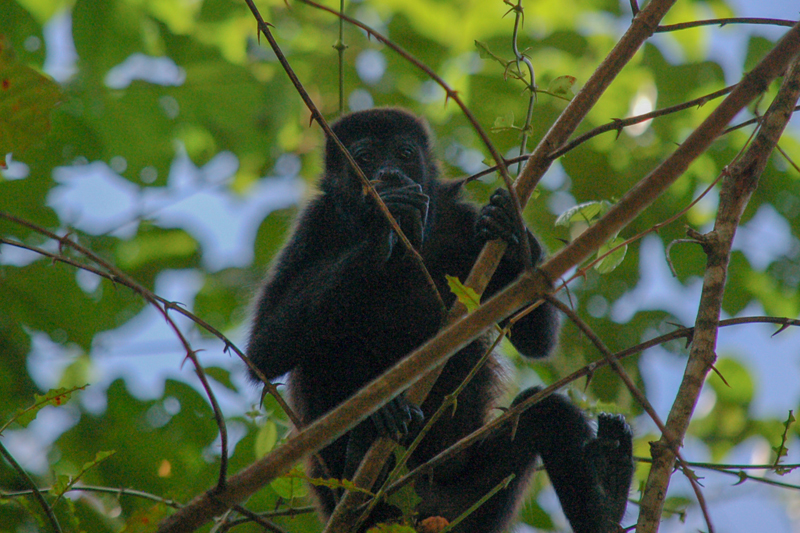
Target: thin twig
{"x":724,"y":22}
{"x":531,"y":86}
{"x":121,"y":277}
{"x":37,"y":494}
{"x":316,"y":115}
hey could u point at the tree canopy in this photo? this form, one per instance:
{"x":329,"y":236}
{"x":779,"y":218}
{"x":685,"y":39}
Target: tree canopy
{"x":155,"y":154}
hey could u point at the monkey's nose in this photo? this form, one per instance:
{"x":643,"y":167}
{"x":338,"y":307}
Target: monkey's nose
{"x":394,"y":177}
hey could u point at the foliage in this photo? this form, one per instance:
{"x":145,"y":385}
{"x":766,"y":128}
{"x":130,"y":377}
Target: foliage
{"x":175,"y":149}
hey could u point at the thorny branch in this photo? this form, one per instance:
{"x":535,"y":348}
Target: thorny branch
{"x":529,"y":287}
{"x":316,"y":115}
{"x":739,"y":182}
{"x":119,"y":276}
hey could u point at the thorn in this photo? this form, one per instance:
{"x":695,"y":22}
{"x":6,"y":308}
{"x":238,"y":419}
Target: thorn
{"x":717,"y":372}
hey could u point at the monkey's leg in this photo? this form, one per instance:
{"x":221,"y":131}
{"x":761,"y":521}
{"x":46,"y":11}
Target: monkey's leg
{"x":591,"y":474}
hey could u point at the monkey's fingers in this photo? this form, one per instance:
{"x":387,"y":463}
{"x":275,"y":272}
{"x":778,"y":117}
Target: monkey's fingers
{"x":406,"y":200}
{"x":397,"y":418}
{"x":495,"y":223}
{"x":614,"y":428}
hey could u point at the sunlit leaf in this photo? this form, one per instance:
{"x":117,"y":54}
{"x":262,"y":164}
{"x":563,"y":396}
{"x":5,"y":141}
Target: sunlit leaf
{"x":562,"y":86}
{"x":585,"y":212}
{"x":266,"y":438}
{"x":465,"y":295}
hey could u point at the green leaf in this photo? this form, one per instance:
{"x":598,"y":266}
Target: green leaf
{"x":266,"y":438}
{"x":533,"y":515}
{"x":153,"y":245}
{"x":504,"y":123}
{"x":27,"y":98}
{"x":61,"y":487}
{"x":612,"y":260}
{"x":61,"y":484}
{"x":272,"y":234}
{"x":562,"y":86}
{"x":485,"y":53}
{"x":585,"y":212}
{"x":221,"y":376}
{"x":291,"y":485}
{"x":406,"y":499}
{"x":54,"y":397}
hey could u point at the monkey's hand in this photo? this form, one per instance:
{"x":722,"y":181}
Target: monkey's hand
{"x":610,"y":455}
{"x":496,"y":220}
{"x":407,"y":204}
{"x":398,"y":419}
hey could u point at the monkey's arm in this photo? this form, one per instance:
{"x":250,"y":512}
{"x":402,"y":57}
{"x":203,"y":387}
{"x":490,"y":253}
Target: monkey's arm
{"x":312,"y":294}
{"x":535,"y":334}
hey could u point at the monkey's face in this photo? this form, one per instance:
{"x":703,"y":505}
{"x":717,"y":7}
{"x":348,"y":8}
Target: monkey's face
{"x":396,"y":168}
{"x":392,"y":162}
{"x":390,"y":146}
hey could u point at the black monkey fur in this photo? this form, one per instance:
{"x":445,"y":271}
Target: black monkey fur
{"x":344,"y":301}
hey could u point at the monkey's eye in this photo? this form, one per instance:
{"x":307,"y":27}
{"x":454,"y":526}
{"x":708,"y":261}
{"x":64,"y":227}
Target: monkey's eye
{"x":405,"y":152}
{"x":363,"y":156}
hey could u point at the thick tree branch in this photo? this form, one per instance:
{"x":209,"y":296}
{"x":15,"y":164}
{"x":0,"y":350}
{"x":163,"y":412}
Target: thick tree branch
{"x":739,"y":182}
{"x":642,"y":27}
{"x":529,"y":287}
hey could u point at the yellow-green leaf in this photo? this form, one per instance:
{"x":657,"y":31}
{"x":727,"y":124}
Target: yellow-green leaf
{"x":585,"y":212}
{"x":266,"y":438}
{"x":466,"y":295}
{"x":562,"y":86}
{"x":291,"y":485}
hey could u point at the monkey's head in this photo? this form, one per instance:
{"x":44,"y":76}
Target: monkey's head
{"x":390,"y":145}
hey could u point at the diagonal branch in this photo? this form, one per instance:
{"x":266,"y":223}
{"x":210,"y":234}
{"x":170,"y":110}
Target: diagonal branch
{"x":738,"y":184}
{"x":642,"y":27}
{"x":528,"y":288}
{"x":117,"y":275}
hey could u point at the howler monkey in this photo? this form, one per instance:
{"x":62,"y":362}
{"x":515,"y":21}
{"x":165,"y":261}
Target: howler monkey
{"x":345,"y":301}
